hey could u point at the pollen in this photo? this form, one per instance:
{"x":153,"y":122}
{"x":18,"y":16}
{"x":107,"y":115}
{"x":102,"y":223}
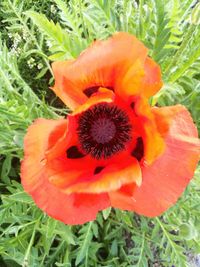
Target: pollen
{"x":103,"y":130}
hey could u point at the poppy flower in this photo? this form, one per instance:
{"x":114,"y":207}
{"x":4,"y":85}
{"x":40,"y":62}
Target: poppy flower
{"x":114,"y":149}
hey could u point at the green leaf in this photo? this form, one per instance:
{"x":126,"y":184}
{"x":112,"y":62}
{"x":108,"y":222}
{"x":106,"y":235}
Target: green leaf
{"x":41,"y":73}
{"x":51,"y":226}
{"x":195,"y":16}
{"x":106,"y":213}
{"x":188,"y":231}
{"x":56,"y":35}
{"x":57,"y":56}
{"x":21,"y":197}
{"x":86,"y":237}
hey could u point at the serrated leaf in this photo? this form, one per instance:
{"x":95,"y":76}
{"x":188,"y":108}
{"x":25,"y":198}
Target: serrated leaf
{"x":21,"y":197}
{"x":60,"y":39}
{"x":85,"y":245}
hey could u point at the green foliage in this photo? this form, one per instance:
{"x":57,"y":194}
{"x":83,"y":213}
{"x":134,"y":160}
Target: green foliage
{"x":35,"y":32}
{"x":59,"y":40}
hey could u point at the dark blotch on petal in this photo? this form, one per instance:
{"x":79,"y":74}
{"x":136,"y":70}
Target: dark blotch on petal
{"x":94,"y":89}
{"x":138,"y":151}
{"x":74,"y":153}
{"x":98,"y":169}
{"x":91,"y":90}
{"x":132,"y":105}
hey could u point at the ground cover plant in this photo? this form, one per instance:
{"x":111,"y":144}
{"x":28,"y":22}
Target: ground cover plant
{"x":32,"y":35}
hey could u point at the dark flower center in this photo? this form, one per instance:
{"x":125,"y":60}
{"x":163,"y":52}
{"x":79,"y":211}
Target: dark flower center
{"x":103,"y":130}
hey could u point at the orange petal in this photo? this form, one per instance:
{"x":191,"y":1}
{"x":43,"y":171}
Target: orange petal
{"x":78,"y":175}
{"x":64,"y":88}
{"x":164,"y":117}
{"x":104,"y":95}
{"x":143,"y":77}
{"x":102,"y":64}
{"x":164,"y":181}
{"x":130,"y":83}
{"x":123,"y":198}
{"x":152,"y":81}
{"x":99,"y":179}
{"x":71,"y":209}
{"x":151,"y":135}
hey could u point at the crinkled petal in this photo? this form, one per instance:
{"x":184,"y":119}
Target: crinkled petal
{"x":98,"y":179}
{"x":142,"y":78}
{"x":152,"y":81}
{"x":71,"y":209}
{"x":103,"y":64}
{"x":150,"y":133}
{"x":87,"y":174}
{"x":164,"y":181}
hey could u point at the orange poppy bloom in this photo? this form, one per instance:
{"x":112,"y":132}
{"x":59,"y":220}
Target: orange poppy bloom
{"x":114,"y":149}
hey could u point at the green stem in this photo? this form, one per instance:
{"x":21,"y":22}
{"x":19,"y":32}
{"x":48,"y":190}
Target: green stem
{"x":167,"y":236}
{"x":141,"y":250}
{"x":26,"y":257}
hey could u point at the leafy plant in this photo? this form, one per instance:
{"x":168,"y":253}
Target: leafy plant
{"x":34,"y":33}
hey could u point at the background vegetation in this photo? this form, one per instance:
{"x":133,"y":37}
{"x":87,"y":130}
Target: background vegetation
{"x":32,"y":34}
